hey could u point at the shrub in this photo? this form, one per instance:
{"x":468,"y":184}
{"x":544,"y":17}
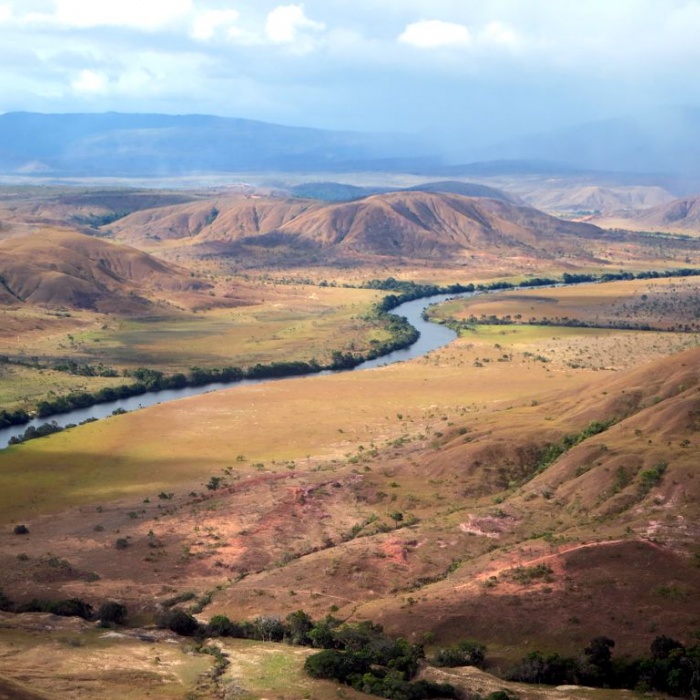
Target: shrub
{"x":5,"y":603}
{"x":72,"y":607}
{"x":21,"y":530}
{"x":464,"y":654}
{"x":178,"y":621}
{"x":336,"y":665}
{"x":69,"y":607}
{"x":221,"y":626}
{"x":112,"y":613}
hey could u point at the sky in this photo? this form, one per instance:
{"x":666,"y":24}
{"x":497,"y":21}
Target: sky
{"x":483,"y":69}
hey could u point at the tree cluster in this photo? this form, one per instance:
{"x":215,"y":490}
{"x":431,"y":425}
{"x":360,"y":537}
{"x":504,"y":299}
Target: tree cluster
{"x":671,"y":668}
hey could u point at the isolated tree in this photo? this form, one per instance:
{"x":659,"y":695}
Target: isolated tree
{"x":397,"y":517}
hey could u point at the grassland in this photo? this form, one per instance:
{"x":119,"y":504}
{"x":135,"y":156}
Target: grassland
{"x":282,"y":496}
{"x":662,"y":304}
{"x":57,"y":658}
{"x":279,"y":322}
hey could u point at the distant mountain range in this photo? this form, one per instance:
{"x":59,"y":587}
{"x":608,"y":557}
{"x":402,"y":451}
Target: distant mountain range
{"x":661,"y":143}
{"x":155,"y":144}
{"x":341,"y":192}
{"x":680,"y":216}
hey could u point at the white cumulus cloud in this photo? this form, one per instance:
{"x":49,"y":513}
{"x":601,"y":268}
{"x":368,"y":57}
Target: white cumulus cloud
{"x":288,"y":24}
{"x":90,"y":82}
{"x":434,"y":33}
{"x":208,"y":24}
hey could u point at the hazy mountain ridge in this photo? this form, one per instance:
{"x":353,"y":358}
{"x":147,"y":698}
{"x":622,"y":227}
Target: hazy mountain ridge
{"x":656,"y":141}
{"x":157,"y":144}
{"x":679,"y":214}
{"x":596,"y":198}
{"x":341,"y":192}
{"x":151,"y":145}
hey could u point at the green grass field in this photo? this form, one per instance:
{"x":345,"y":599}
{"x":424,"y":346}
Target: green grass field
{"x":298,"y":323}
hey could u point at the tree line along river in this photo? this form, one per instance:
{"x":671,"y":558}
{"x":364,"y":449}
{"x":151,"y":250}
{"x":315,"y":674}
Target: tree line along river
{"x":432,"y":336}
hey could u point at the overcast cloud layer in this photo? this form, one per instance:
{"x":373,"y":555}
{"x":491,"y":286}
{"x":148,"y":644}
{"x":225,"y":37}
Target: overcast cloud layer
{"x":481,"y":69}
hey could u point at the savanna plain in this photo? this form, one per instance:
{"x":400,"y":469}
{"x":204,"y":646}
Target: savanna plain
{"x":519,"y":507}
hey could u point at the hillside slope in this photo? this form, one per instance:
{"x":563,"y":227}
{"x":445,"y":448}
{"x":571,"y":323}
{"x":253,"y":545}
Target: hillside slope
{"x":443,"y":227}
{"x":680,"y":214}
{"x":61,"y":268}
{"x":427,"y":224}
{"x":215,"y":219}
{"x":594,"y":198}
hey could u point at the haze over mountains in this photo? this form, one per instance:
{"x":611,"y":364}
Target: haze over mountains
{"x":156,"y":144}
{"x":116,"y":144}
{"x":681,"y":214}
{"x":660,"y":141}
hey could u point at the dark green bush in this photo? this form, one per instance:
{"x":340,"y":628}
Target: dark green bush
{"x":112,"y":613}
{"x":178,"y":621}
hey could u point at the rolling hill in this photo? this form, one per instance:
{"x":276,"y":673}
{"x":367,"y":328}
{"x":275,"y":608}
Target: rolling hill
{"x":407,"y":223}
{"x":680,"y":214}
{"x":595,"y":198}
{"x":434,"y":225}
{"x":504,"y":540}
{"x":218,"y":219}
{"x":60,"y":268}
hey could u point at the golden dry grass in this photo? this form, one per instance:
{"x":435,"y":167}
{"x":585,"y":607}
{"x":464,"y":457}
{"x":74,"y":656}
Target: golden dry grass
{"x":46,"y":658}
{"x":445,"y":439}
{"x":662,"y":303}
{"x":279,"y":321}
{"x":284,"y":420}
{"x":60,"y":658}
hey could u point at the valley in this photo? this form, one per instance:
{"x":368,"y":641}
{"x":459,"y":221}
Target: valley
{"x":532,"y":485}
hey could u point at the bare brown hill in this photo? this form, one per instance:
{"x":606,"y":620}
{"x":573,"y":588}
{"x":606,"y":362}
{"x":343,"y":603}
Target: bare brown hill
{"x":218,"y":219}
{"x":496,"y":544}
{"x":21,"y":210}
{"x":594,"y":198}
{"x":428,"y":224}
{"x":680,"y":214}
{"x":407,"y":225}
{"x":62,"y":268}
{"x":421,"y":224}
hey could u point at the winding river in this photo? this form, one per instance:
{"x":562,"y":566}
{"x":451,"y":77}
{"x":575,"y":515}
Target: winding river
{"x":432,"y":337}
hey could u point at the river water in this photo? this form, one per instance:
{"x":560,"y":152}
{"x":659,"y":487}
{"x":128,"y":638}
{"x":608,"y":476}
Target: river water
{"x":432,"y":337}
